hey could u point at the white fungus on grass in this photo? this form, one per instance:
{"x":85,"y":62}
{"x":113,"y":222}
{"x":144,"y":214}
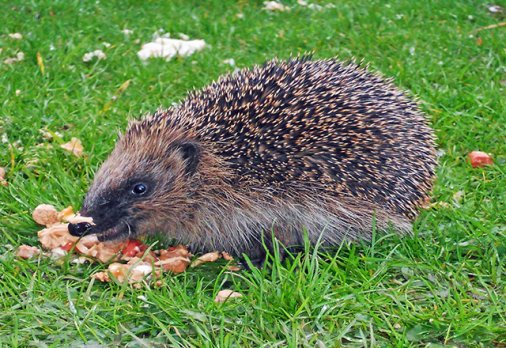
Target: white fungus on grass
{"x":315,"y":7}
{"x":229,"y":61}
{"x":99,"y":54}
{"x":495,"y":8}
{"x":16,"y":36}
{"x":275,"y":6}
{"x":183,"y":36}
{"x":17,"y":58}
{"x":167,"y":48}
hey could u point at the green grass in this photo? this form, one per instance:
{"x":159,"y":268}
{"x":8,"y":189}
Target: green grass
{"x":444,"y":286}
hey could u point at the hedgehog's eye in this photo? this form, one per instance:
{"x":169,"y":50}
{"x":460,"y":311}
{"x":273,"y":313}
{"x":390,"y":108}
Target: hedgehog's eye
{"x":139,"y":189}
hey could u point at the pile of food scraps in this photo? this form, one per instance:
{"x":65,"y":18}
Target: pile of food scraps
{"x":129,"y":261}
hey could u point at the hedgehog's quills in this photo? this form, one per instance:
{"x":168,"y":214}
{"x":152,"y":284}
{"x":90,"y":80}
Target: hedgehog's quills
{"x":287,"y":147}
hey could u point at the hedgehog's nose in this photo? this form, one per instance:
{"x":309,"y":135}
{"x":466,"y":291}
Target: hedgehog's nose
{"x":80,"y":229}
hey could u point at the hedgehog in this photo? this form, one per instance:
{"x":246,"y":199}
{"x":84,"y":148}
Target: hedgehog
{"x":296,"y":150}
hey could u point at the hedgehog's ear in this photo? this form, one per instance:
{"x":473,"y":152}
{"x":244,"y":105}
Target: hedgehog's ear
{"x":190,"y":151}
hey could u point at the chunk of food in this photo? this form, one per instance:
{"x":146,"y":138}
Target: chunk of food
{"x":105,"y":252}
{"x":102,"y":276}
{"x":174,"y":259}
{"x":224,"y":295}
{"x":3,"y":182}
{"x":133,"y":248}
{"x":55,"y":236}
{"x":45,"y":214}
{"x":209,"y":257}
{"x":480,"y":159}
{"x":227,"y":256}
{"x":74,"y":146}
{"x":130,"y":261}
{"x":130,"y":273}
{"x":27,"y":251}
{"x":67,"y":247}
{"x":65,"y":214}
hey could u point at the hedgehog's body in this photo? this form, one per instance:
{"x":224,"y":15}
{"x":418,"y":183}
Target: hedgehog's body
{"x":289,"y":147}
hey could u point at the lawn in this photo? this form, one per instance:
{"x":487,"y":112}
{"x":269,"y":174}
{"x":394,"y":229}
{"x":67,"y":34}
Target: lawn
{"x":443,"y":286}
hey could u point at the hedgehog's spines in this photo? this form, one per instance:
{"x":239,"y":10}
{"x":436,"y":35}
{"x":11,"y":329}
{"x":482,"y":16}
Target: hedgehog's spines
{"x":309,"y":128}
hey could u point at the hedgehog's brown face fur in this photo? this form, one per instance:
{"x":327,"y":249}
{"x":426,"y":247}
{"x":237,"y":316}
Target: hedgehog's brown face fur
{"x":139,"y":183}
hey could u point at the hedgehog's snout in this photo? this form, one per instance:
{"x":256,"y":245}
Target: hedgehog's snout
{"x":80,"y":229}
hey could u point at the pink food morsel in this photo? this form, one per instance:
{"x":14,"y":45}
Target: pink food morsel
{"x":480,"y":159}
{"x":45,"y":214}
{"x":27,"y":251}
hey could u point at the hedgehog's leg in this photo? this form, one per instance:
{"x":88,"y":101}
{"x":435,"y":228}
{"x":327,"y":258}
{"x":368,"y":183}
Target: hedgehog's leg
{"x":257,"y":262}
{"x":269,"y":245}
{"x":258,"y":256}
